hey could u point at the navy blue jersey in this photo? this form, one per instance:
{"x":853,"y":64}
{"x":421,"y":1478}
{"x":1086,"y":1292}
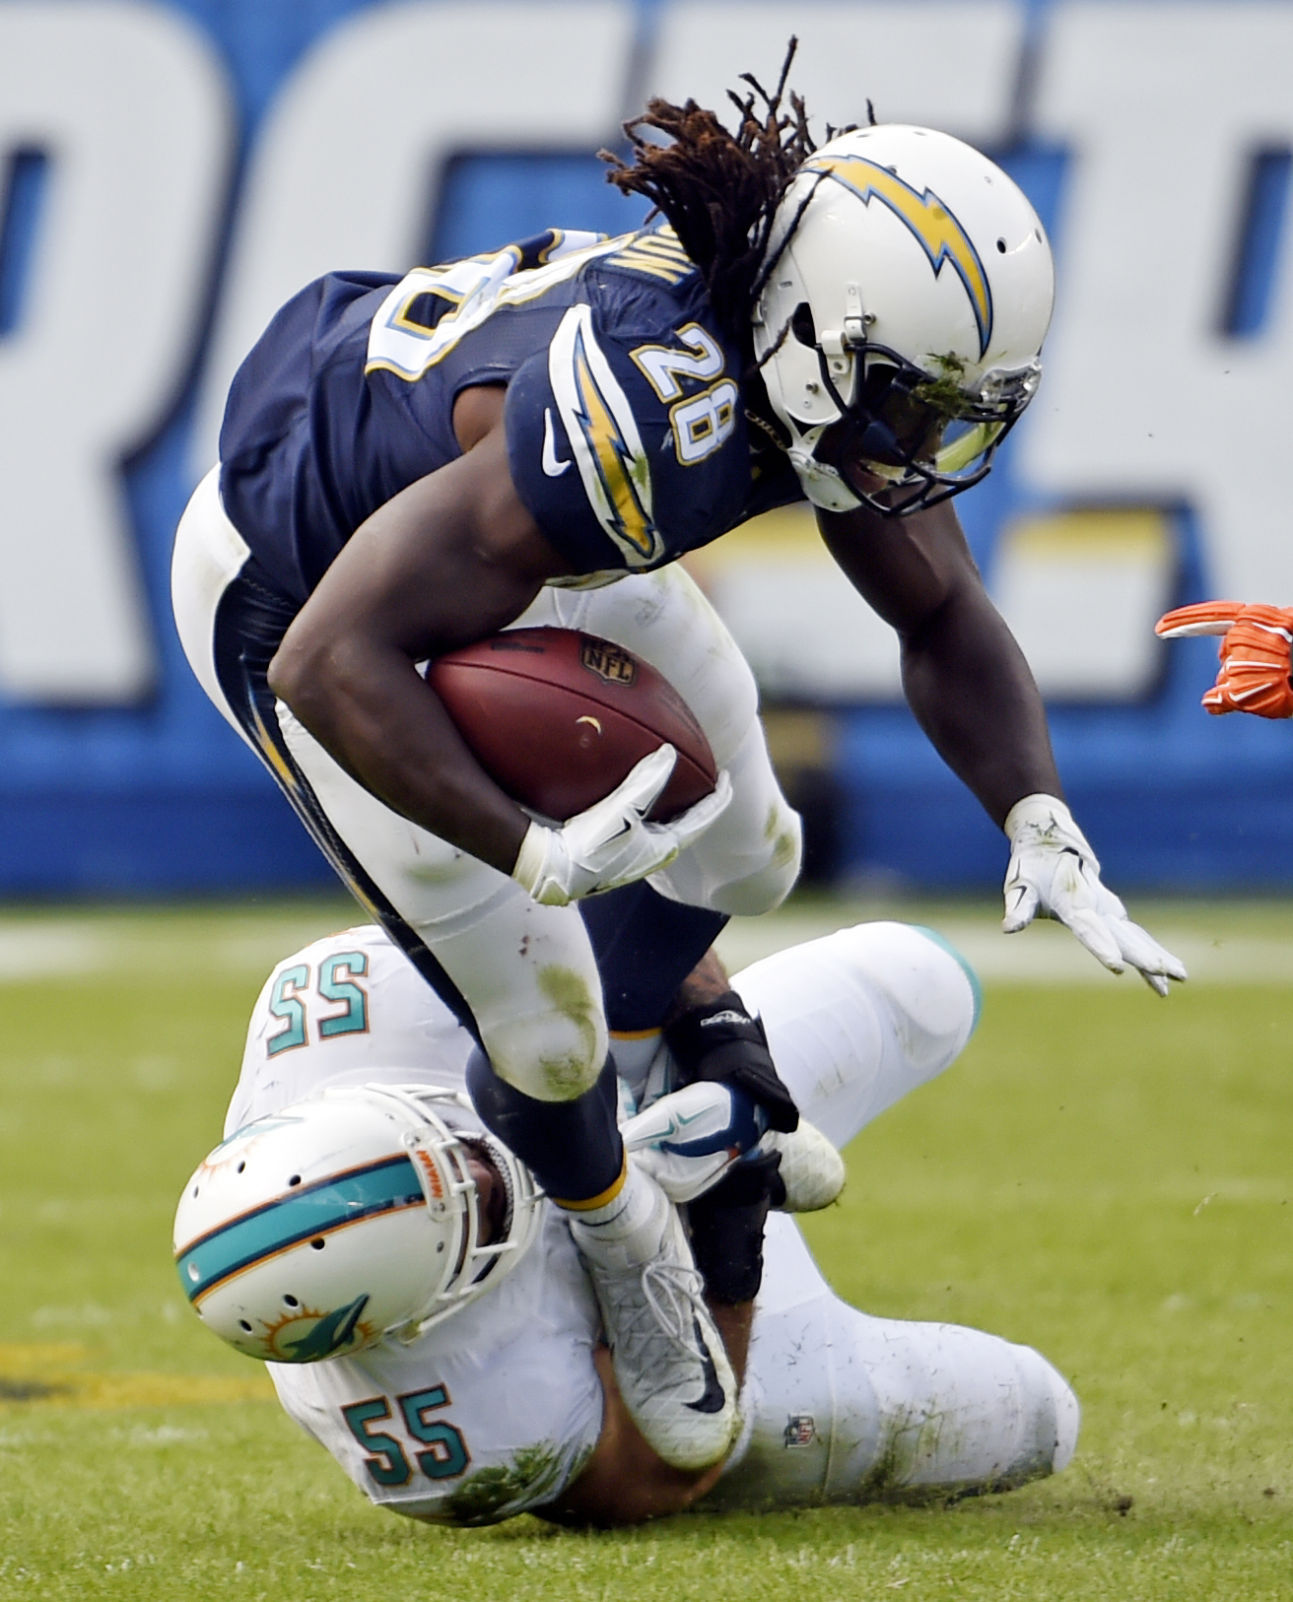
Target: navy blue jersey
{"x":626,"y":435}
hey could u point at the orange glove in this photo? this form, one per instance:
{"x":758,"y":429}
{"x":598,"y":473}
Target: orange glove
{"x":1255,"y":667}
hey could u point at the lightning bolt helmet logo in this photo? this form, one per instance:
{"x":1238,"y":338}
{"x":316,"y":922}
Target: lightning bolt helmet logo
{"x":908,"y":287}
{"x":932,"y":224}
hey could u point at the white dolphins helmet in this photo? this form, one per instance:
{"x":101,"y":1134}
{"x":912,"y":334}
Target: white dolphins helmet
{"x":910,"y":291}
{"x":345,"y":1217}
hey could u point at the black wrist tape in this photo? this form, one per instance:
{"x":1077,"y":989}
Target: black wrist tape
{"x":721,"y":1041}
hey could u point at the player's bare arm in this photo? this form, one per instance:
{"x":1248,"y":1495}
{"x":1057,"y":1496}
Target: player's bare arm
{"x":971,"y":689}
{"x":965,"y":678}
{"x":707,"y":983}
{"x":451,"y":559}
{"x":624,"y":1481}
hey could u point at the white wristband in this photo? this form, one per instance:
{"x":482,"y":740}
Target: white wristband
{"x":1039,"y":809}
{"x":531,"y":859}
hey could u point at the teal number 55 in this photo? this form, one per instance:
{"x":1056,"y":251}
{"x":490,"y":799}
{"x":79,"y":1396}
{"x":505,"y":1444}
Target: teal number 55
{"x":445,"y":1452}
{"x":333,"y":999}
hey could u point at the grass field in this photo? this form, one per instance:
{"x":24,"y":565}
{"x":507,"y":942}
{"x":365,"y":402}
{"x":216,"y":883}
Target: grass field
{"x":1104,"y":1175}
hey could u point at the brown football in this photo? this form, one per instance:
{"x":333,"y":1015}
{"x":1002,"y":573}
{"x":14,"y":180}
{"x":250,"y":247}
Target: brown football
{"x":557,"y":719}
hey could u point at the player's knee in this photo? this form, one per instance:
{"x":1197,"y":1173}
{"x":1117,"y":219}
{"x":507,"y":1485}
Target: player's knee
{"x":553,"y":1054}
{"x":932,"y":991}
{"x":1054,"y":1411}
{"x":735,"y":867}
{"x":1005,"y":1415}
{"x":768,"y":882}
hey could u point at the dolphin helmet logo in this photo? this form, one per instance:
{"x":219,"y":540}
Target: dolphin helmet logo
{"x":935,"y":228}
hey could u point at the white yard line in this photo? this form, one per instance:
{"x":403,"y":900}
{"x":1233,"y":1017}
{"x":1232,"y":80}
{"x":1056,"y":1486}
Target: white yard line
{"x":50,"y":951}
{"x":70,"y":946}
{"x":1044,"y":955}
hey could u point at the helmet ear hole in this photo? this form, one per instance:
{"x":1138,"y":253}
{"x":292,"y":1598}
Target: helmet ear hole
{"x":802,"y":325}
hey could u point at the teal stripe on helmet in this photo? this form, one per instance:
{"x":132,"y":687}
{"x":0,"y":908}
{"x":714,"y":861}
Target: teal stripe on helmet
{"x":296,"y":1216}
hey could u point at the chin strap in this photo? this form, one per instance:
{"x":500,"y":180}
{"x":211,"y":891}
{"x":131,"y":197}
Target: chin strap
{"x":824,"y":486}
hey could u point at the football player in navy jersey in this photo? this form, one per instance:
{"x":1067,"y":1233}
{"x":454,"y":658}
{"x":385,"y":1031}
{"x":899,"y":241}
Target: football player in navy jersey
{"x":533,"y":436}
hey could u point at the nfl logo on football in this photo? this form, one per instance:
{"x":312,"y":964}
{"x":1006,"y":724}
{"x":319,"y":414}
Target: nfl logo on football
{"x":608,"y":661}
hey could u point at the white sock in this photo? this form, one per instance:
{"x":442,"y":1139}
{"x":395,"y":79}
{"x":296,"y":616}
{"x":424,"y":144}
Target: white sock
{"x":629,"y":1226}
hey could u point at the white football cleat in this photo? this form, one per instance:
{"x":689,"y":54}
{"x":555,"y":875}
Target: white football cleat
{"x":811,"y":1169}
{"x":669,"y":1360}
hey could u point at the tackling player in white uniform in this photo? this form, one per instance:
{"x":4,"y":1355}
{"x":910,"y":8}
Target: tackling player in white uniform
{"x":496,"y":1396}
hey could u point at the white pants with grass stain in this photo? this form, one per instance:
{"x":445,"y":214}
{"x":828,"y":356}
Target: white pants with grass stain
{"x":526,"y":971}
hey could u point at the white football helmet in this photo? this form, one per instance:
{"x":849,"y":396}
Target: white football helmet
{"x":909,"y":293}
{"x":345,"y":1217}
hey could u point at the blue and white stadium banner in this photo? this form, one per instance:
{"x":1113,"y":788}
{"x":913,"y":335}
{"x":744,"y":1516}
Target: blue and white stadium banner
{"x":170,"y":170}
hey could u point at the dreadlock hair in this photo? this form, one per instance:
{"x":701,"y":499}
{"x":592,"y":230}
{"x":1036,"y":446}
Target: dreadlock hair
{"x":718,"y":190}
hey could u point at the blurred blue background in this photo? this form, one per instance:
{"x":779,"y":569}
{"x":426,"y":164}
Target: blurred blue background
{"x":170,"y":171}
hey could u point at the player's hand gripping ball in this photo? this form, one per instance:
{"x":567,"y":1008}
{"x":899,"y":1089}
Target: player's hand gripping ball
{"x":558,"y":719}
{"x":1254,"y":675}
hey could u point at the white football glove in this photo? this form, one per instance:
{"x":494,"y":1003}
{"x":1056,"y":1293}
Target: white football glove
{"x":1054,"y":872}
{"x":612,"y":843}
{"x":688,"y":1140}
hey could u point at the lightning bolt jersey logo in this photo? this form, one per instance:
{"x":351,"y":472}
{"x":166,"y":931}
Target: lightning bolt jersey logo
{"x":604,"y":438}
{"x":935,"y":228}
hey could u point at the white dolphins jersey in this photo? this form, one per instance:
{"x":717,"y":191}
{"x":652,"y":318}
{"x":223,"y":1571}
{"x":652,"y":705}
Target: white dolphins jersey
{"x":498,"y":1409}
{"x":495,"y":1411}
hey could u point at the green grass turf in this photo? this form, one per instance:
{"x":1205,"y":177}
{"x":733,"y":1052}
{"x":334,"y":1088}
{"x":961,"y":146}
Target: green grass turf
{"x":1103,"y":1175}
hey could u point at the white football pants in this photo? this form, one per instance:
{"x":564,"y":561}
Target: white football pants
{"x":841,"y":1407}
{"x":526,"y":971}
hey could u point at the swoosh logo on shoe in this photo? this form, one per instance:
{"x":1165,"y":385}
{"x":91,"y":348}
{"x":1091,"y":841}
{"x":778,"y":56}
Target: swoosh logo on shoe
{"x":553,"y":466}
{"x":712,"y":1399}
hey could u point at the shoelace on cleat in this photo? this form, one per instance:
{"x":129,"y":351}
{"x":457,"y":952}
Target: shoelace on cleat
{"x":673,"y":1294}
